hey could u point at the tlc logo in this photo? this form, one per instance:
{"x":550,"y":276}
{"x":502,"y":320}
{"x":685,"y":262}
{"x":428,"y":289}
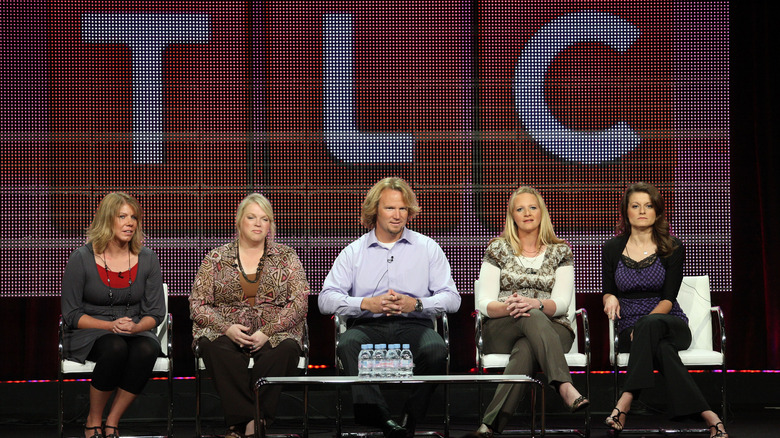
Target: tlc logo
{"x":166,"y":100}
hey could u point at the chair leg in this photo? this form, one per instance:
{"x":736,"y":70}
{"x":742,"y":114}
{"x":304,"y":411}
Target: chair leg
{"x":306,"y":411}
{"x":533,"y":410}
{"x":198,"y":432}
{"x":60,"y":406}
{"x":615,"y":385}
{"x":170,"y":402}
{"x":338,"y":412}
{"x":479,"y":395}
{"x":446,"y":411}
{"x":587,"y":408}
{"x":724,"y":406}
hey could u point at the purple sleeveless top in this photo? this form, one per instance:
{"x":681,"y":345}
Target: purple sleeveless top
{"x":643,"y":279}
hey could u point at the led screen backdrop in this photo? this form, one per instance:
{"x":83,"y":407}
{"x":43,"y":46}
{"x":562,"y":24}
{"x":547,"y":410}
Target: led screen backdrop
{"x":190,"y":105}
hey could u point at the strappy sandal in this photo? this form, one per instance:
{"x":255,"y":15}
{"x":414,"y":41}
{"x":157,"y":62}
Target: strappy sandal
{"x":578,"y":404}
{"x":614,"y":420}
{"x":718,"y":432}
{"x":115,"y":434}
{"x":95,"y":433}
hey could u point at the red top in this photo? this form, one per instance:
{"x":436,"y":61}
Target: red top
{"x":119,"y":280}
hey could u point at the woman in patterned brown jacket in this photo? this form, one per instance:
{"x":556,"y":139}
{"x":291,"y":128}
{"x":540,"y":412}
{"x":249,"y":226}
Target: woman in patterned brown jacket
{"x":526,"y":286}
{"x":249,"y":300}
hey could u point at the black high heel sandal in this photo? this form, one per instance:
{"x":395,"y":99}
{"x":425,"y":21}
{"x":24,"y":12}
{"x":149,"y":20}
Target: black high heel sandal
{"x":614,"y":422}
{"x":112,"y":435}
{"x":95,"y":433}
{"x":719,"y":433}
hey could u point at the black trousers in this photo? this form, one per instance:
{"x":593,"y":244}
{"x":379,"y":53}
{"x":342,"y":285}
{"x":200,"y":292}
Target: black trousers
{"x":657,"y":339}
{"x":427,"y":346}
{"x":228,"y":365}
{"x":123,"y":362}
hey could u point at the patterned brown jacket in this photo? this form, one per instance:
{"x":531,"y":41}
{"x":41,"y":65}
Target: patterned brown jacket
{"x":217,"y":300}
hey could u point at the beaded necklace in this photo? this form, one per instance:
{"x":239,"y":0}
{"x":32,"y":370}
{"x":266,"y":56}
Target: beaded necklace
{"x":119,"y":274}
{"x":259,"y":267}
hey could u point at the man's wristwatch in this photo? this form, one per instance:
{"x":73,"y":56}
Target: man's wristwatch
{"x":541,"y":305}
{"x":418,"y":307}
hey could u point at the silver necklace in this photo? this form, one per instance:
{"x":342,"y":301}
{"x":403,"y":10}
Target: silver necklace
{"x":640,"y":248}
{"x":526,"y":268}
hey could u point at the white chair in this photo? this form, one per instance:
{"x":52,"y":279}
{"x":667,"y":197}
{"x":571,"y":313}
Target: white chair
{"x":574,"y":358}
{"x":340,"y":326}
{"x":694,"y":299}
{"x":200,"y":367}
{"x":163,"y":365}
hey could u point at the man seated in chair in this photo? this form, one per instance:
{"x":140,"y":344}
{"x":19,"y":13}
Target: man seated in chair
{"x":390,"y":282}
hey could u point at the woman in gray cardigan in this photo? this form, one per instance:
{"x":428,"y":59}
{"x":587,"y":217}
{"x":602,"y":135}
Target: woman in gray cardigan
{"x":112,"y":300}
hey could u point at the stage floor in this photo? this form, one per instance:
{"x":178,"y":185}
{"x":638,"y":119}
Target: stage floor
{"x":760,"y":423}
{"x":30,"y":409}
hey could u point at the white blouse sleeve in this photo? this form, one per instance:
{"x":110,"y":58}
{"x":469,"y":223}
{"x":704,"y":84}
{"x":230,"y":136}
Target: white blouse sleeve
{"x":563,"y":289}
{"x":488,"y":286}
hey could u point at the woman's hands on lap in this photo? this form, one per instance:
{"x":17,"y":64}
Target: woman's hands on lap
{"x":238,"y":334}
{"x":518,"y":305}
{"x":259,"y":339}
{"x":124,"y":325}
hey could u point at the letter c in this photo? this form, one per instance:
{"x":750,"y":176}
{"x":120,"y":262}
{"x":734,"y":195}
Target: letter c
{"x":535,"y":115}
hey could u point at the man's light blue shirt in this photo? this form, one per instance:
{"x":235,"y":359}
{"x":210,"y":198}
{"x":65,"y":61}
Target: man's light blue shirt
{"x":414,"y":266}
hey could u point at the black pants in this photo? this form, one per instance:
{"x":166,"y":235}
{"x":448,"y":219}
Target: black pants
{"x":427,"y":346}
{"x":228,"y":365}
{"x":657,"y":339}
{"x":123,"y":362}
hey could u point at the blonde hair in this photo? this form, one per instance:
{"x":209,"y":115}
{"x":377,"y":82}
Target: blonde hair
{"x":546,"y":233}
{"x":368,"y":210}
{"x":101,"y":230}
{"x":264,"y":205}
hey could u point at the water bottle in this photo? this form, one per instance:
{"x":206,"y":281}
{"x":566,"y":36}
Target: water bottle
{"x":406,"y":365}
{"x":365,"y":362}
{"x":393,"y":361}
{"x":380,"y":356}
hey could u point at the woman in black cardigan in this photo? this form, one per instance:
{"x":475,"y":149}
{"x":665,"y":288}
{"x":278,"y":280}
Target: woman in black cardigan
{"x":642,"y":273}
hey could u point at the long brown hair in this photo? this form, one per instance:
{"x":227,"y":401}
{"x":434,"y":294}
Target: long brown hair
{"x":101,"y":230}
{"x":546,"y":232}
{"x":661,"y":234}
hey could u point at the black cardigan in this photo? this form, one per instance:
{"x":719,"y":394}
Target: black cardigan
{"x":610,"y":256}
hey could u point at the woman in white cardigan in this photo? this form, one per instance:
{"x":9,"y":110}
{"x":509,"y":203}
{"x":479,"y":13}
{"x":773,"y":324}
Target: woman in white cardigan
{"x":526,"y":284}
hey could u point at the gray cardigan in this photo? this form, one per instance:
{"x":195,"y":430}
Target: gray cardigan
{"x":83,"y":292}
